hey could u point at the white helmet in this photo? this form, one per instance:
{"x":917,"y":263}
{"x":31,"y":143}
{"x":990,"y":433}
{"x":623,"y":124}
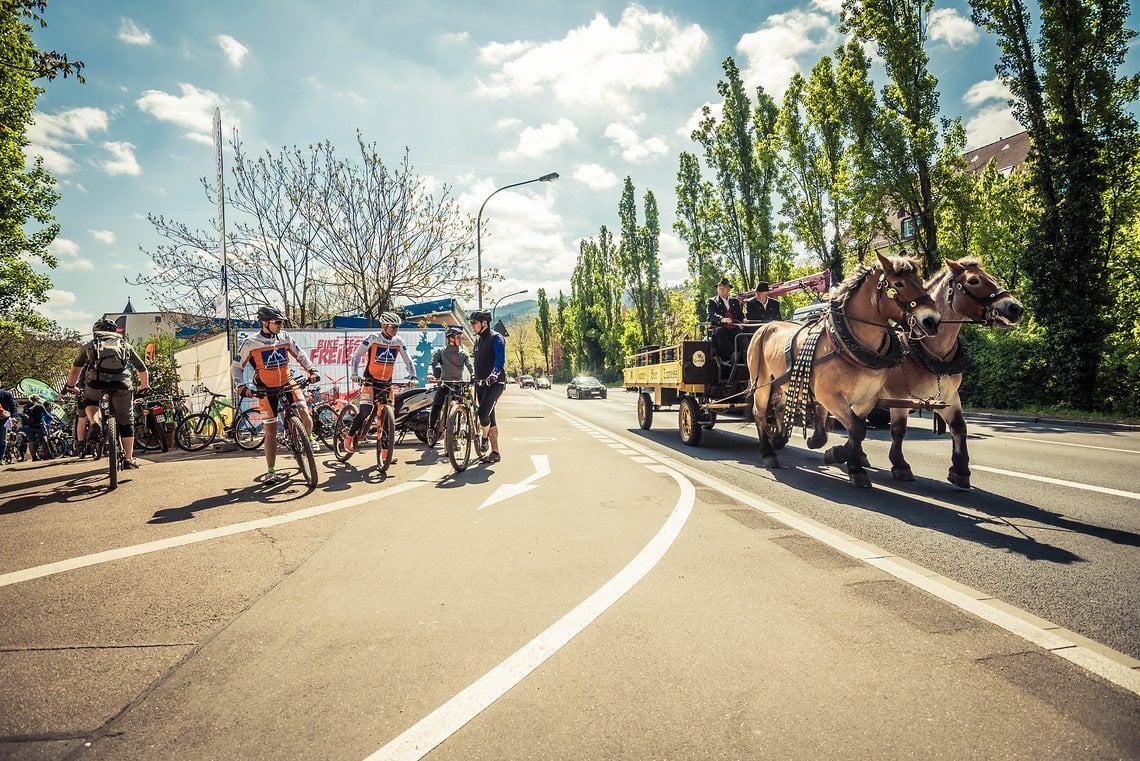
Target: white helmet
{"x":389,"y":318}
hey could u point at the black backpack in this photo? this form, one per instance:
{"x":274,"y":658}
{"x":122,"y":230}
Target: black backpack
{"x":109,"y":355}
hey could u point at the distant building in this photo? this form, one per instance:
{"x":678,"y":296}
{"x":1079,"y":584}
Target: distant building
{"x":139,"y":325}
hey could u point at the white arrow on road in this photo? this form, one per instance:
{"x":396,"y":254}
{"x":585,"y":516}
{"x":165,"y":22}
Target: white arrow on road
{"x":506,"y":491}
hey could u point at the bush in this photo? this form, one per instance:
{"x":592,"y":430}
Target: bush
{"x":1009,"y":370}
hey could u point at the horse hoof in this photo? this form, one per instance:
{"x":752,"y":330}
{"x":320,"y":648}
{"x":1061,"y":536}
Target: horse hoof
{"x":866,"y":463}
{"x":859,"y":480}
{"x":772,"y":463}
{"x":829,"y":457}
{"x":962,"y":482}
{"x":902,"y":474}
{"x":817,"y":440}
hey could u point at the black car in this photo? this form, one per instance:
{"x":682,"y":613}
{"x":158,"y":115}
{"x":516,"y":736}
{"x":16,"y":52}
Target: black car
{"x":584,"y":387}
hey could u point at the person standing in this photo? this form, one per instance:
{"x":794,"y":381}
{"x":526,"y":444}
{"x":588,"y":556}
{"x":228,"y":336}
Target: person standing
{"x":448,"y":365}
{"x":268,"y":352}
{"x":490,"y":356}
{"x":724,"y":318}
{"x":105,"y":363}
{"x":761,"y":308}
{"x":7,"y":411}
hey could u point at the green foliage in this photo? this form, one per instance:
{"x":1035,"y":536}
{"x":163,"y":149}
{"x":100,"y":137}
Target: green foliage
{"x":544,"y":329}
{"x":161,"y":366}
{"x":46,"y":355}
{"x":27,"y":195}
{"x":1008,"y":371}
{"x":639,"y":262}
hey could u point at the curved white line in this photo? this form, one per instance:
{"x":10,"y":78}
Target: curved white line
{"x":418,"y":740}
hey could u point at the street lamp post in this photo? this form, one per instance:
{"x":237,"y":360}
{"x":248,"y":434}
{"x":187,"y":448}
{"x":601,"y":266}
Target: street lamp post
{"x":496,"y":306}
{"x":479,"y":228}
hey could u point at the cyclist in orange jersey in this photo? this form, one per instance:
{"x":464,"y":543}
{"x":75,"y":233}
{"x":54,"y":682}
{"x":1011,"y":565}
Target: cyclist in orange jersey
{"x":380,"y":350}
{"x":268,"y":353}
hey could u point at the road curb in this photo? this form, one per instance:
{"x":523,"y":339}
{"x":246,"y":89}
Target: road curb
{"x":1097,"y":424}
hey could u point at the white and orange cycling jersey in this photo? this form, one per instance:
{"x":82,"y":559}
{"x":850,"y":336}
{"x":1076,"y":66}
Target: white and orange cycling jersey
{"x":269,"y":357}
{"x":381,"y":353}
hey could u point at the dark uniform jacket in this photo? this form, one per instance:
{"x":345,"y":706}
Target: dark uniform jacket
{"x":717,"y":310}
{"x":766,"y":313}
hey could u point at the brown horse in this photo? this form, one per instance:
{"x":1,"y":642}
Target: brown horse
{"x":853,"y":354}
{"x":963,"y":292}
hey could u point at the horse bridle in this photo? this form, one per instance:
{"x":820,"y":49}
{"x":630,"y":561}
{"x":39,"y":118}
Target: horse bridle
{"x":986,"y":302}
{"x":907,"y":308}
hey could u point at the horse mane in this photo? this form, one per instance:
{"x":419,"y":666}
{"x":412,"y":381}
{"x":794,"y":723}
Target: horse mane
{"x":943,"y":272}
{"x":844,"y":290}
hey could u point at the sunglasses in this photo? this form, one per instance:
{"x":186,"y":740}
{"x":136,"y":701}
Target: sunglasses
{"x":276,"y":322}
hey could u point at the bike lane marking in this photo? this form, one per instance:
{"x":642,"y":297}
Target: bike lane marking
{"x":506,"y":491}
{"x":107,"y":556}
{"x":425,"y":735}
{"x":1057,"y":482}
{"x":1111,"y":665}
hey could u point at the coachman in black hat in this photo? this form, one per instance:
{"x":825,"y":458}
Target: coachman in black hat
{"x":724,"y":316}
{"x":760,"y":308}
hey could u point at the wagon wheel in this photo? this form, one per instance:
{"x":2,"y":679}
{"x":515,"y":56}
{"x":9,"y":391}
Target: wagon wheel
{"x":709,"y":420}
{"x":688,"y":420}
{"x":644,"y":411}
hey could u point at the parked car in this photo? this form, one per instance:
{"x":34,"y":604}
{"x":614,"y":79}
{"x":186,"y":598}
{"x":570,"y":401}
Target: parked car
{"x":542,"y":382}
{"x":526,"y":381}
{"x":810,"y":313}
{"x":584,"y":387}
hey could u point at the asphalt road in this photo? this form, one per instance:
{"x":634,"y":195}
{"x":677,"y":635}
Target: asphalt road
{"x":597,"y":594}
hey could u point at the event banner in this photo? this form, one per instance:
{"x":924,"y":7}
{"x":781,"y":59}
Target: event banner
{"x":331,"y":350}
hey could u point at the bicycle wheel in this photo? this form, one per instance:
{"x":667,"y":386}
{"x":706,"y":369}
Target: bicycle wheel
{"x":146,"y":435}
{"x":196,"y":432}
{"x":249,"y":431}
{"x":385,"y":437}
{"x":457,"y":437}
{"x":340,"y":430}
{"x":324,"y":423}
{"x":111,"y":441}
{"x":302,"y":451}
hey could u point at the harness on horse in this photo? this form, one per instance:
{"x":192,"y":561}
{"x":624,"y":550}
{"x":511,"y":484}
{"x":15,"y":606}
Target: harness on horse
{"x":799,"y":401}
{"x":956,"y":365}
{"x":850,"y":349}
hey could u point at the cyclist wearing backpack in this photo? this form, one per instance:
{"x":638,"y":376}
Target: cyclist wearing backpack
{"x":105,"y":363}
{"x":268,"y":353}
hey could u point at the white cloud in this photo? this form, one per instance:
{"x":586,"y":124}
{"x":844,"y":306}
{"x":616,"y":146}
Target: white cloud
{"x":674,"y":255}
{"x":234,"y":50}
{"x":346,"y":95}
{"x":985,"y":91}
{"x":454,"y":38}
{"x":67,"y":252}
{"x":633,"y":148}
{"x":193,"y":110}
{"x":990,"y":124}
{"x":53,"y":135}
{"x":833,"y":7}
{"x":598,"y":65}
{"x":772,"y":51}
{"x":103,"y":236}
{"x":716,"y":110}
{"x":595,"y":176}
{"x":61,"y":307}
{"x":122,"y":159}
{"x":538,"y":141}
{"x":133,"y":34}
{"x":951,"y":27}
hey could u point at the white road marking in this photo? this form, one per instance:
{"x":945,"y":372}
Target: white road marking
{"x":1057,"y":481}
{"x":1110,"y":665}
{"x":1065,"y":444}
{"x":418,"y":740}
{"x":107,"y":556}
{"x":506,"y":491}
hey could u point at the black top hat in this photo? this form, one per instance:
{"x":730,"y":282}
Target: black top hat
{"x":762,"y":287}
{"x":724,"y":281}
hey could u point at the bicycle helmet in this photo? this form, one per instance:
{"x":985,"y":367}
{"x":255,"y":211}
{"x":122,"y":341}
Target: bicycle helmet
{"x":454,"y":331}
{"x":266,"y":313}
{"x":481,"y":315}
{"x":103,"y":326}
{"x":389,"y":318}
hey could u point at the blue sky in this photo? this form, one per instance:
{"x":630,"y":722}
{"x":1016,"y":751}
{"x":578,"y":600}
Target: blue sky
{"x":483,"y":94}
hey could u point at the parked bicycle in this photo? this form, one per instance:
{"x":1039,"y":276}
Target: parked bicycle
{"x":195,"y":431}
{"x":462,"y":434}
{"x":324,"y":416}
{"x":150,"y":424}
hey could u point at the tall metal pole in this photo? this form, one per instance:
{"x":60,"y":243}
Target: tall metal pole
{"x":479,"y":228}
{"x":230,"y":348}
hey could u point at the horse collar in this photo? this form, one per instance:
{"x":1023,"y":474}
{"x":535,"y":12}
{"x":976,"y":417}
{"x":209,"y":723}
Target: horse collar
{"x":850,"y":348}
{"x":956,"y":365}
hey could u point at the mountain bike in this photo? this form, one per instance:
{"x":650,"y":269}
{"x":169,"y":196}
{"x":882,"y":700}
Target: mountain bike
{"x":324,"y":417}
{"x":150,"y":424}
{"x":385,"y":429}
{"x":194,"y":431}
{"x":294,"y":436}
{"x":462,"y":432}
{"x":108,"y":441}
